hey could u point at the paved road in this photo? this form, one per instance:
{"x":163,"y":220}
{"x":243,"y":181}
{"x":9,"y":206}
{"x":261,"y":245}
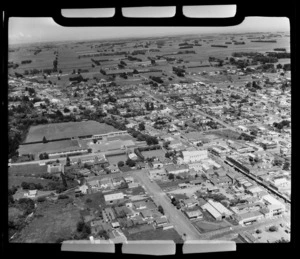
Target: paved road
{"x":176,"y":217}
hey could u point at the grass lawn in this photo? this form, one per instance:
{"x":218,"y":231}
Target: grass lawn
{"x":67,"y":130}
{"x":157,"y":234}
{"x":136,"y":191}
{"x":97,"y":199}
{"x":52,"y":220}
{"x":113,"y":160}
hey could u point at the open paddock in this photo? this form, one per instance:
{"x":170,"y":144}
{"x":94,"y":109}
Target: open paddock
{"x":22,"y":170}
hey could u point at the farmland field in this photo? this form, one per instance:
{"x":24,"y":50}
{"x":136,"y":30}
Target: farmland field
{"x":67,"y":130}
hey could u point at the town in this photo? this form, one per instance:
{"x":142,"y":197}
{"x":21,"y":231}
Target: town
{"x":169,"y":138}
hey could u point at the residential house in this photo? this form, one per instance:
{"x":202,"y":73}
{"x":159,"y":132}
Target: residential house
{"x":106,"y":183}
{"x":157,"y":164}
{"x":194,"y":214}
{"x":31,"y":194}
{"x":161,"y":222}
{"x":84,"y":172}
{"x":55,"y":168}
{"x":94,"y":185}
{"x":83,"y":188}
{"x":139,"y":205}
{"x":113,"y":169}
{"x":157,"y":173}
{"x":189,"y":203}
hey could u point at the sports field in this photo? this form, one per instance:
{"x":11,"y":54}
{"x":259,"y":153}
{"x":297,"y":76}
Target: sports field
{"x":50,"y":147}
{"x":67,"y":130}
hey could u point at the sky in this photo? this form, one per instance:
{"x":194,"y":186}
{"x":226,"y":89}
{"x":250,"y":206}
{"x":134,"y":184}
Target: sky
{"x":30,"y":30}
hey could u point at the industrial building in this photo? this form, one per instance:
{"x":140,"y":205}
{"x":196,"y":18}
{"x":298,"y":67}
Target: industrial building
{"x":110,"y":198}
{"x":212,"y":211}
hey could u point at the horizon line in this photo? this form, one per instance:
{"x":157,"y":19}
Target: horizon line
{"x":144,"y":36}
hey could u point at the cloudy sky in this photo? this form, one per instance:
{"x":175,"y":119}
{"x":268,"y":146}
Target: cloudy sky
{"x":27,"y":30}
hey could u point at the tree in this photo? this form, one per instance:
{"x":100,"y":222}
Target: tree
{"x":44,"y":140}
{"x":62,"y":196}
{"x":80,"y":226}
{"x":130,"y":162}
{"x":171,"y":176}
{"x":41,"y":199}
{"x":120,"y":164}
{"x":160,"y":209}
{"x":66,"y":110}
{"x":286,"y":166}
{"x":142,"y":126}
{"x":68,"y":162}
{"x":273,"y":228}
{"x":25,"y":185}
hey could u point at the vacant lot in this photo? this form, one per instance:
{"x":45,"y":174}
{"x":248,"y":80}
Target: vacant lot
{"x":209,"y":226}
{"x":67,"y":130}
{"x":170,"y":184}
{"x":52,"y":220}
{"x":113,"y":160}
{"x":227,"y":133}
{"x":267,"y":236}
{"x":158,"y":234}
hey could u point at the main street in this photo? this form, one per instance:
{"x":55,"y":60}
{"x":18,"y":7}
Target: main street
{"x":182,"y":225}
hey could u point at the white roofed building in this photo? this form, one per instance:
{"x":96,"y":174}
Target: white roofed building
{"x":194,"y":156}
